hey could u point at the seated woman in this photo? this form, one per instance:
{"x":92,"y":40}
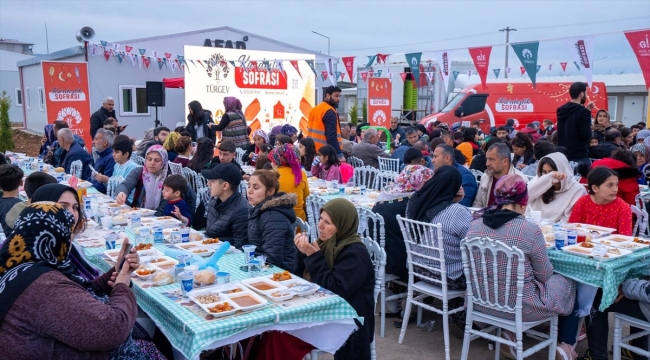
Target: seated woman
{"x":522,"y":147}
{"x":147,"y":181}
{"x":293,"y":179}
{"x":392,"y":202}
{"x":270,"y":224}
{"x":251,"y":155}
{"x":546,"y":294}
{"x":642,"y":155}
{"x":307,"y":151}
{"x":554,"y":191}
{"x":202,"y":156}
{"x":328,"y":166}
{"x":170,"y":144}
{"x":436,"y":203}
{"x":601,"y":206}
{"x":339,"y":262}
{"x":183,"y":147}
{"x":469,"y":147}
{"x":49,"y":312}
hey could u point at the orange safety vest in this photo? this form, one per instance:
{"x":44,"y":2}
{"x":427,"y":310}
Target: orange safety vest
{"x":316,"y":126}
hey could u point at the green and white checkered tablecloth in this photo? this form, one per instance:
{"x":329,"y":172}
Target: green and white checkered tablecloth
{"x":191,"y":334}
{"x":607,"y":275}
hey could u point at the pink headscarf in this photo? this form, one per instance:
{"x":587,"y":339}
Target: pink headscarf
{"x":412,"y":178}
{"x":285,"y":155}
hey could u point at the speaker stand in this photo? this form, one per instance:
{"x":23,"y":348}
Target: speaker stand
{"x":157,"y":122}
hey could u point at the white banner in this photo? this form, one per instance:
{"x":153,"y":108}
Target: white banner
{"x":269,"y":97}
{"x":582,"y":50}
{"x":444,"y":63}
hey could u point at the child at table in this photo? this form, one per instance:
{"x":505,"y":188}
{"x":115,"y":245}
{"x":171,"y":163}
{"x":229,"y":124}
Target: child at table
{"x":11,"y":179}
{"x":173,"y":188}
{"x":601,"y":206}
{"x":327,"y":166}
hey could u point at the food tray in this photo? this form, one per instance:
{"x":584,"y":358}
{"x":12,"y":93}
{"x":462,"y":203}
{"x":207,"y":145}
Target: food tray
{"x":195,"y":296}
{"x":579,"y":250}
{"x":147,"y":267}
{"x":308,"y":288}
{"x":192,"y":245}
{"x":273,"y":285}
{"x":154,"y":260}
{"x":589,"y":229}
{"x":261,"y":302}
{"x":202,"y":251}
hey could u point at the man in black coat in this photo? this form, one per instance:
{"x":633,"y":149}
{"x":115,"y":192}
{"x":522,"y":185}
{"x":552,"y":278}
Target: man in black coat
{"x":612,"y":142}
{"x":574,"y":124}
{"x":97,"y":119}
{"x":228,"y":209}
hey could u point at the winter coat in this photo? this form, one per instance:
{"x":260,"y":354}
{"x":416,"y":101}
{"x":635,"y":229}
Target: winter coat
{"x":97,"y":119}
{"x":599,"y":132}
{"x":270,"y":229}
{"x":602,"y":150}
{"x":207,"y":132}
{"x":76,"y":152}
{"x":59,"y":152}
{"x":133,"y":181}
{"x":104,"y":165}
{"x":574,"y":130}
{"x":532,"y":133}
{"x":228,"y":220}
{"x":628,"y":187}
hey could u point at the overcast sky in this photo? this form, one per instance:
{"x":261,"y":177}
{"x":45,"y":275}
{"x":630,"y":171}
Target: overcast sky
{"x":355,"y":27}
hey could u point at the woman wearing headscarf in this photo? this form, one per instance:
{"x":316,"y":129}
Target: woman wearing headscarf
{"x":68,"y":197}
{"x":259,"y":138}
{"x":46,"y":310}
{"x":392,"y":202}
{"x":275,"y":132}
{"x":339,"y":261}
{"x":642,"y":154}
{"x":290,"y":131}
{"x":554,"y":191}
{"x":170,"y":144}
{"x":147,"y":181}
{"x":48,"y":139}
{"x":545,"y":294}
{"x":437,"y":203}
{"x":293,"y":179}
{"x":233,"y":125}
{"x":148,"y":136}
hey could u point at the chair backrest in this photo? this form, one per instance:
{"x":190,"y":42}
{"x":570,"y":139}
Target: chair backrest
{"x":239,"y":154}
{"x":112,"y":184}
{"x":76,"y":168}
{"x":489,"y":266}
{"x":424,"y":250}
{"x":378,"y":257}
{"x":314,"y":204}
{"x":203,"y":195}
{"x":190,"y":177}
{"x":383,"y":178}
{"x":477,"y":175}
{"x":388,"y":164}
{"x":139,"y":160}
{"x":377,"y":232}
{"x":302,"y":225}
{"x":365,"y":175}
{"x":641,"y":223}
{"x":175,"y":168}
{"x":243,"y":188}
{"x":355,"y":162}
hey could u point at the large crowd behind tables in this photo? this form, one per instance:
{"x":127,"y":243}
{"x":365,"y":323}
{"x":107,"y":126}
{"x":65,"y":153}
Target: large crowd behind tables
{"x":572,"y":169}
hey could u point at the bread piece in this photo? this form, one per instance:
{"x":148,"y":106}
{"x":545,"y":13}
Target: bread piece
{"x":204,"y":277}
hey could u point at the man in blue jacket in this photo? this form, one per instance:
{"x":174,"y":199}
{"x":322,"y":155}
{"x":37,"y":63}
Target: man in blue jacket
{"x":444,"y":155}
{"x":74,"y":152}
{"x":104,"y":165}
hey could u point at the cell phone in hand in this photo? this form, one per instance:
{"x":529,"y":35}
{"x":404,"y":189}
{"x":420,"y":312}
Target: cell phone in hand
{"x":127,"y":250}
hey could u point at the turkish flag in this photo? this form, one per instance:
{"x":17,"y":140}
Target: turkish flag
{"x":640,"y":43}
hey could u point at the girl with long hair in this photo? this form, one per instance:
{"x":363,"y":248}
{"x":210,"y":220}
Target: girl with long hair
{"x":199,"y":123}
{"x":522,"y":147}
{"x":307,"y":153}
{"x":203,"y":155}
{"x":328,"y":166}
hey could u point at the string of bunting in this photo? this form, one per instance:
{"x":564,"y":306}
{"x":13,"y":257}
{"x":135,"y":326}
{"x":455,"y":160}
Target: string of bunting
{"x":581,"y":49}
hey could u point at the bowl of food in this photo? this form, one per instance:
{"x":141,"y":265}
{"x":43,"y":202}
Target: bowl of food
{"x":145,"y":273}
{"x":203,"y":252}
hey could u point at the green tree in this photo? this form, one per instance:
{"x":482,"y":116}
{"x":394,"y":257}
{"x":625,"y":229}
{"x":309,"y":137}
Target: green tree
{"x":6,"y":135}
{"x":354,"y":112}
{"x":364,"y":110}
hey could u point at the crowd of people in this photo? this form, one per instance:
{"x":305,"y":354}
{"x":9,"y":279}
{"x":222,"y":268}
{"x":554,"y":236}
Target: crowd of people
{"x":572,"y":169}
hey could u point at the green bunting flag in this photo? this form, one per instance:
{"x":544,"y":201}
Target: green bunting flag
{"x":527,"y":54}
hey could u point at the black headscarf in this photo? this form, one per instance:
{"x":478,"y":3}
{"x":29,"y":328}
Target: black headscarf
{"x":39,"y":243}
{"x":435,"y":195}
{"x":52,"y":192}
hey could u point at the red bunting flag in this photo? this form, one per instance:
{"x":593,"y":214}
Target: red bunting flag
{"x":348,"y":62}
{"x":403,"y":75}
{"x":128,"y":49}
{"x":107,"y":54}
{"x":146,"y":61}
{"x":294,"y":63}
{"x":640,"y":43}
{"x":168,"y":55}
{"x":381,"y":58}
{"x":563,"y":65}
{"x":324,"y":74}
{"x":364,"y":75}
{"x":523,"y":70}
{"x":481,"y":58}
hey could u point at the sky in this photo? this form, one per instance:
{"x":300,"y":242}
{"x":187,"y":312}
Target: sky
{"x":356,"y":28}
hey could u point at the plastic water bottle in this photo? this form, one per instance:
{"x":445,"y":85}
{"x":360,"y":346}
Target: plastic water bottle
{"x":158,"y":237}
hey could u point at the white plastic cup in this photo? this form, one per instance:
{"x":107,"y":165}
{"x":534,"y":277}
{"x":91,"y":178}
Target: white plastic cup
{"x":106,"y":222}
{"x":249,"y":253}
{"x":185,"y":235}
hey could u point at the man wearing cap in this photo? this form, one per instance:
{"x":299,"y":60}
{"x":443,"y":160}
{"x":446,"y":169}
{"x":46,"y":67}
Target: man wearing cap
{"x":228,"y":209}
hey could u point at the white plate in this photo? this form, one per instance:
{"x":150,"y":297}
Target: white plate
{"x":275,"y":285}
{"x":261,"y":302}
{"x":587,"y":252}
{"x":300,"y":287}
{"x":195,"y":295}
{"x":205,"y":252}
{"x":588,"y":228}
{"x":147,"y":277}
{"x":166,"y":259}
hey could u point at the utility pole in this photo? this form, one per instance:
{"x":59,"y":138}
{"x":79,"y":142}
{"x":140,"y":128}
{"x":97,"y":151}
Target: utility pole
{"x":507,"y":31}
{"x":47,"y":41}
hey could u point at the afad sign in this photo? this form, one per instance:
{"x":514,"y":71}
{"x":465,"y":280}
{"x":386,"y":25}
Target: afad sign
{"x":514,"y":105}
{"x":66,"y":95}
{"x":379,"y":99}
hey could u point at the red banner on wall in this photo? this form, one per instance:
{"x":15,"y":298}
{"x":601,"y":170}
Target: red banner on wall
{"x":66,"y":95}
{"x":379,"y":99}
{"x":481,"y":57}
{"x":640,"y":43}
